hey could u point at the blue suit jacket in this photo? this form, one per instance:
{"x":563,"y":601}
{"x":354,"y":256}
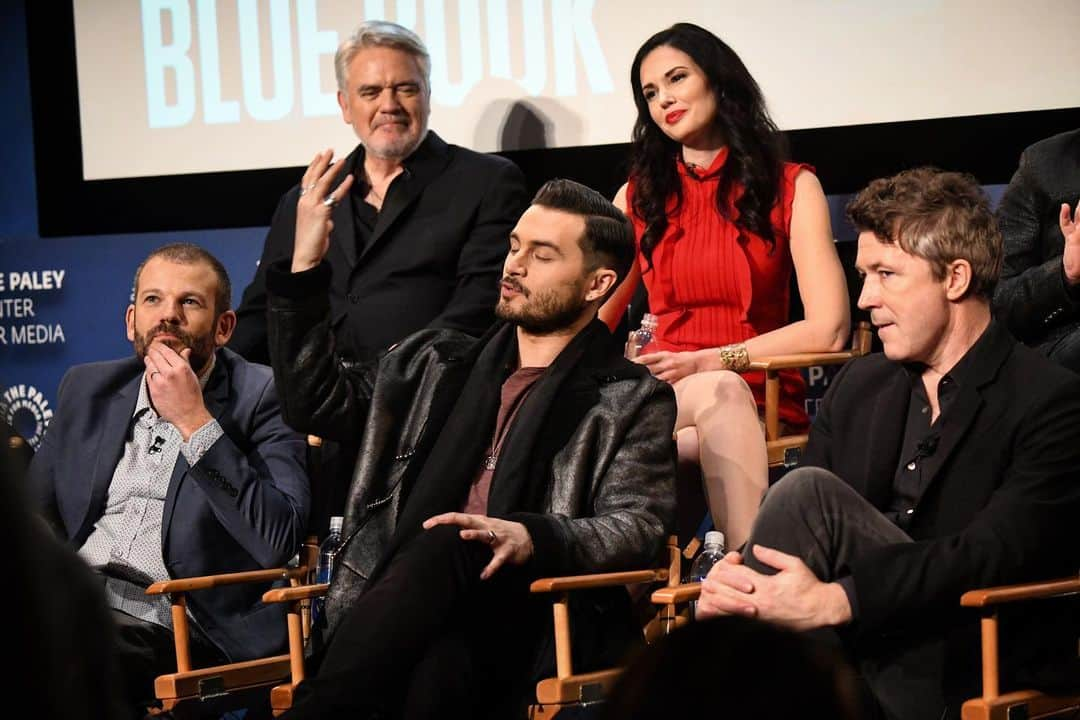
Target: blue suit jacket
{"x":243,"y":506}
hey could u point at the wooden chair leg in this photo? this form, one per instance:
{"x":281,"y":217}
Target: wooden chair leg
{"x":988,"y":626}
{"x":296,"y":616}
{"x":564,"y":666}
{"x":180,"y":631}
{"x":772,"y":404}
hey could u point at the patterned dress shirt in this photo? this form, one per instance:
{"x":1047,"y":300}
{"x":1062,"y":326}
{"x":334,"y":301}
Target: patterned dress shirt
{"x":125,"y":544}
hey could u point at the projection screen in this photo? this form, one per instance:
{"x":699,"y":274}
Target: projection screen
{"x":193,"y":86}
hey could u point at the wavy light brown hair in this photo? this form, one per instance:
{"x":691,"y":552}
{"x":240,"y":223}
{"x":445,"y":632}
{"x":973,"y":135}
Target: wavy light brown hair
{"x":936,"y":215}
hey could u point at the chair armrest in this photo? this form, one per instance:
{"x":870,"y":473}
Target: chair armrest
{"x":860,"y":346}
{"x":800,"y":360}
{"x":584,"y":582}
{"x":983,"y":597}
{"x":300,"y":592}
{"x":205,"y":582}
{"x":677,"y":594}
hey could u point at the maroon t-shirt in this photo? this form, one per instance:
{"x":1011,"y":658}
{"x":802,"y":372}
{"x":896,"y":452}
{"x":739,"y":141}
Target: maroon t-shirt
{"x":514,"y":391}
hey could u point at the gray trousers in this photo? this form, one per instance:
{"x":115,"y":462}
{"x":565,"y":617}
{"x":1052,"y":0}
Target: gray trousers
{"x":813,"y":514}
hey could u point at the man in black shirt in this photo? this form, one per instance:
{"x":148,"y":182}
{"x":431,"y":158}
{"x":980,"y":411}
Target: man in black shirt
{"x":419,"y":227}
{"x":949,"y":462}
{"x":418,"y":238}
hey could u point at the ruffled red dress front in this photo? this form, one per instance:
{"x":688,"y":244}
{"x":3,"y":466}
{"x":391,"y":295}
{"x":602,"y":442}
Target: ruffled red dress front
{"x":712,"y":284}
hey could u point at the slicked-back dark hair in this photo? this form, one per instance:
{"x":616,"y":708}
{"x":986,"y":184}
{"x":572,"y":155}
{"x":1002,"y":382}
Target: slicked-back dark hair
{"x":756,"y":148}
{"x":609,"y":237}
{"x":190,"y":254}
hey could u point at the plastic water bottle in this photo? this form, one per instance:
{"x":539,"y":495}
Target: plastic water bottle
{"x":711,"y":554}
{"x":324,"y":569}
{"x":641,"y":337}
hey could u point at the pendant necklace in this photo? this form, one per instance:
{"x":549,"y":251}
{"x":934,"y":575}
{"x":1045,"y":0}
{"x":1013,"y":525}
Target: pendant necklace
{"x":499,"y":436}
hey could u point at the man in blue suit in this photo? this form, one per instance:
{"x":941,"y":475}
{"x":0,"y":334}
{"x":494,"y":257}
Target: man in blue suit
{"x":176,"y":463}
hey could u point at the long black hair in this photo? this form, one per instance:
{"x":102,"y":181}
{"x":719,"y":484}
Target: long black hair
{"x":756,"y":149}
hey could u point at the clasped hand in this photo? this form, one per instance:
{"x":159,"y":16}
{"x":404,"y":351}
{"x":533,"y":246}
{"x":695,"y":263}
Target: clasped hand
{"x":510,"y":541}
{"x":793,"y":597}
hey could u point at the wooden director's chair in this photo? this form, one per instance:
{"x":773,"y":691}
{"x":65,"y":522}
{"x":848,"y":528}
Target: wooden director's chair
{"x":1021,"y":704}
{"x":188,"y":687}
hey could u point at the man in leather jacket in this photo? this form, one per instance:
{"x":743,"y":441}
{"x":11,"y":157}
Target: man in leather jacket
{"x":1038,"y":297}
{"x":482,"y":465}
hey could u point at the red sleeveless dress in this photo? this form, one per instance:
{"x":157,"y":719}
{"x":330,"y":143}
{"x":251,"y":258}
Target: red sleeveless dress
{"x":712,"y":284}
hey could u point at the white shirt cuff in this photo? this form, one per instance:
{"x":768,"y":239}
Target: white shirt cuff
{"x":200,"y":441}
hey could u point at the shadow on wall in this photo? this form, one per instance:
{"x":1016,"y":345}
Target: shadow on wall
{"x":527,"y":125}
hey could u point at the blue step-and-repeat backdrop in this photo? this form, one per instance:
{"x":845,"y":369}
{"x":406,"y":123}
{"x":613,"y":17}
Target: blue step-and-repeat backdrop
{"x":62,"y":300}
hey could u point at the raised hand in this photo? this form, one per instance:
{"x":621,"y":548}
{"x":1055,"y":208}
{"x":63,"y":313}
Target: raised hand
{"x":174,"y":389}
{"x":1070,"y":228}
{"x":313,"y":210}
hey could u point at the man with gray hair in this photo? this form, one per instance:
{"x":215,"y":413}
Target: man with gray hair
{"x":420,"y":226}
{"x":946,"y":463}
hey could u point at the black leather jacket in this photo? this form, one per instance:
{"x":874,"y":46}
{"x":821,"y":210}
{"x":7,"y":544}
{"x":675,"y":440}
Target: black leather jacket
{"x":611,"y":497}
{"x":1033,"y":299}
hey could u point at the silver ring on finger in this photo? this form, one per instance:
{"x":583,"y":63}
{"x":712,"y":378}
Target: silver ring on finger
{"x":492,"y":537}
{"x":306,"y":188}
{"x":329,"y":201}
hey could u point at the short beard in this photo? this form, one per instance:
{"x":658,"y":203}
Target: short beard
{"x":545,"y":312}
{"x":397,"y":151}
{"x":202,"y":347}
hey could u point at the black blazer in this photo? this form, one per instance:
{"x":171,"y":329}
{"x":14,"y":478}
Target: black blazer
{"x":1002,"y":500}
{"x":1032,"y":298}
{"x":434,"y":259}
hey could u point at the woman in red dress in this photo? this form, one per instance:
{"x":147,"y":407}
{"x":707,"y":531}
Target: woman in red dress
{"x":722,"y":221}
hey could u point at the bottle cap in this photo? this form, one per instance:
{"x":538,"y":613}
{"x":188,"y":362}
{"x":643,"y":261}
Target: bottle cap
{"x":714,"y":538}
{"x":336,"y":523}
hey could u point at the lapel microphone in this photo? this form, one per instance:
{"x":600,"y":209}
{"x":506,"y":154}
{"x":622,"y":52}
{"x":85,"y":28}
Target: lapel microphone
{"x":156,"y":447}
{"x":927,"y":446}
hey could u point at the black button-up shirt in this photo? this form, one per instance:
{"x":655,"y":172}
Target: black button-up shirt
{"x":365,"y":215}
{"x":920,"y":442}
{"x":921,"y":434}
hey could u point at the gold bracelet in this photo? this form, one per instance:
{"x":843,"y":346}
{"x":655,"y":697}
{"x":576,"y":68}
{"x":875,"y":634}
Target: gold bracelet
{"x":735,"y":357}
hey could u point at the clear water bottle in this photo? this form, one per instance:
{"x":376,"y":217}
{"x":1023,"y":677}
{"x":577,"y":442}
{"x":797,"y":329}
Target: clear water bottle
{"x":711,"y":554}
{"x":641,"y":337}
{"x":324,"y":569}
